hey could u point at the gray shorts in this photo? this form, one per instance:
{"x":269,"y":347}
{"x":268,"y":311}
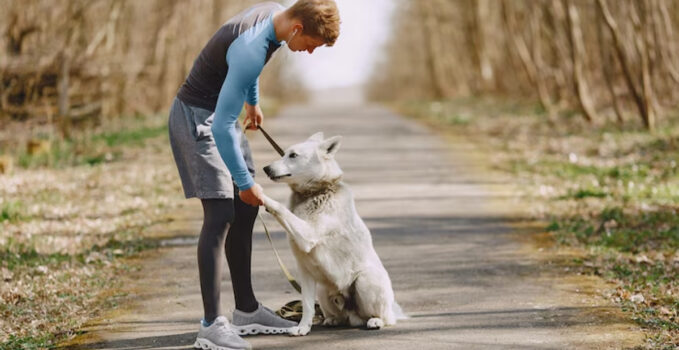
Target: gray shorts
{"x":201,"y":168}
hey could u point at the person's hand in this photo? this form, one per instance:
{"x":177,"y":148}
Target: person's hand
{"x":252,"y":196}
{"x":253,"y":117}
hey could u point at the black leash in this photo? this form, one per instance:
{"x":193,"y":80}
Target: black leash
{"x":287,"y":273}
{"x":271,"y":141}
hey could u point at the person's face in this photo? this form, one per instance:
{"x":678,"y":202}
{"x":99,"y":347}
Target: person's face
{"x":302,"y":42}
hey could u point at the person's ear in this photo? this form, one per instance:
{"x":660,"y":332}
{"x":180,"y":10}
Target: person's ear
{"x":297,"y":28}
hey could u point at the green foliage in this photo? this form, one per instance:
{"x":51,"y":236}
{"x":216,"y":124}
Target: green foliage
{"x":130,"y":137}
{"x":20,"y":255}
{"x":584,"y":193}
{"x":43,"y":341}
{"x":103,"y":145}
{"x":11,"y":211}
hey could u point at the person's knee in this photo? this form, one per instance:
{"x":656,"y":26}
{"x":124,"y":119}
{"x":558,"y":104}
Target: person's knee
{"x":246,"y":215}
{"x":218,"y":214}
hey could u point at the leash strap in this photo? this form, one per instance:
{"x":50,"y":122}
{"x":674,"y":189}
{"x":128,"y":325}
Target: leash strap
{"x":280,"y":262}
{"x":271,"y":141}
{"x":287,"y":273}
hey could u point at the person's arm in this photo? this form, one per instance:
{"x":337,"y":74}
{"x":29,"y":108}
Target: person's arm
{"x":241,"y":75}
{"x":253,"y":114}
{"x":253,"y":93}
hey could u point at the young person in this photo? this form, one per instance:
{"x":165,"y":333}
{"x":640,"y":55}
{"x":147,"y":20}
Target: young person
{"x":209,"y":151}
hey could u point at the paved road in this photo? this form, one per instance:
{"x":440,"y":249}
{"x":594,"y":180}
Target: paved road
{"x":441,"y":229}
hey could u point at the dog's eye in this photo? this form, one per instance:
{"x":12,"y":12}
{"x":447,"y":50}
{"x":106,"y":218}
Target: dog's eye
{"x":293,"y":155}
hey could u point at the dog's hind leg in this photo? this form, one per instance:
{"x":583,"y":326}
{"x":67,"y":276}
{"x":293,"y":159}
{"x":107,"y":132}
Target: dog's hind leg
{"x":332,"y":306}
{"x":374,"y":298}
{"x":355,"y":320}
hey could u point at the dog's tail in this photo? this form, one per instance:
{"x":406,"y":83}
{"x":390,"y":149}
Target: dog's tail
{"x":398,"y":311}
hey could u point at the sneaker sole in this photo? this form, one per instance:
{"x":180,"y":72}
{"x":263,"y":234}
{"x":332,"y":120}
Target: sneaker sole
{"x":253,"y":329}
{"x":202,"y":343}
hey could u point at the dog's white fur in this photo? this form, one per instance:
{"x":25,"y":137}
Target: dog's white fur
{"x":332,"y":245}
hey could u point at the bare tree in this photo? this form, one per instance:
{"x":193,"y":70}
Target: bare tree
{"x":568,"y":54}
{"x":532,"y":70}
{"x":608,"y":59}
{"x":428,"y":13}
{"x":577,"y":53}
{"x":625,"y":64}
{"x":95,"y":60}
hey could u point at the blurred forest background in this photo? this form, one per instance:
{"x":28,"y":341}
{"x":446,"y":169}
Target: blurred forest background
{"x":85,"y":166}
{"x":576,"y":100}
{"x":602,"y":58}
{"x":73,"y":64}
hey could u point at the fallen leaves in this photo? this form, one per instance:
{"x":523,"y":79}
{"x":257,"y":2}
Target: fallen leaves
{"x":637,"y":298}
{"x":51,"y":276}
{"x":6,"y":274}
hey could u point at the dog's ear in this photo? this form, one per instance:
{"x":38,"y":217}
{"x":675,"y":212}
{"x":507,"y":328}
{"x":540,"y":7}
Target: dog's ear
{"x":317,"y":137}
{"x":331,"y":145}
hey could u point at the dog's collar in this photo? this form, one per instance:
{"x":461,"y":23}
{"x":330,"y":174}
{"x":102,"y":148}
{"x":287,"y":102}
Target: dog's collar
{"x":317,"y":189}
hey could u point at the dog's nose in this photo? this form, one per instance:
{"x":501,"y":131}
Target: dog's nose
{"x":267,"y":170}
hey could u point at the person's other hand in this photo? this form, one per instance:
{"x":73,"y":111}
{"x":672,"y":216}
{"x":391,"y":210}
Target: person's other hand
{"x":253,"y":117}
{"x":252,"y":196}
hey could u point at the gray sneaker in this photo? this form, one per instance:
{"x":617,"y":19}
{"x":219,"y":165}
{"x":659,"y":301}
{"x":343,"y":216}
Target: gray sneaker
{"x":262,"y":320}
{"x":220,"y":336}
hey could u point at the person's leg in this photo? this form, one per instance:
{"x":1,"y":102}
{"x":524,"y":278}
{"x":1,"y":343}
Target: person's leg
{"x":239,"y":254}
{"x":250,"y":317}
{"x":215,"y":331}
{"x":218,"y":214}
{"x":205,"y":176}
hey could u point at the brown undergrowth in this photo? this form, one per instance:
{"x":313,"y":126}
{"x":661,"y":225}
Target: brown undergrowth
{"x":67,"y":214}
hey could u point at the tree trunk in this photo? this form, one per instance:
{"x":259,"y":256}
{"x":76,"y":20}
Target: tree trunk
{"x":641,"y":44}
{"x":531,"y":69}
{"x":428,"y":13}
{"x":606,"y":58}
{"x":672,"y":57}
{"x":577,"y":53}
{"x":483,"y":65}
{"x":555,"y":20}
{"x":624,"y":62}
{"x":63,"y":98}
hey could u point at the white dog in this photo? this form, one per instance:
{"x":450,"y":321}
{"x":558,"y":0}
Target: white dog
{"x":332,"y":245}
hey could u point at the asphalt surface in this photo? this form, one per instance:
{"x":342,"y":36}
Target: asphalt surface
{"x":442,"y":226}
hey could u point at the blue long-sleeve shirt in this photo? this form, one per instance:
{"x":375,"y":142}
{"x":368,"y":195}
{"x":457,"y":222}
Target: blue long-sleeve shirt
{"x":225,"y":75}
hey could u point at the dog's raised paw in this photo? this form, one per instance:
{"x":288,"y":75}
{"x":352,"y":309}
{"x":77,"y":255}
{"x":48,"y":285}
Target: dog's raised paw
{"x":300,"y":331}
{"x":375,"y":323}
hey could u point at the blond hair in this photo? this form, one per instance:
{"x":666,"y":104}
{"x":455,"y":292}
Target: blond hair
{"x":320,"y":19}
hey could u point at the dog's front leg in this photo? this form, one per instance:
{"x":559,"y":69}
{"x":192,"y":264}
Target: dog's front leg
{"x":300,"y":230}
{"x":308,"y":304}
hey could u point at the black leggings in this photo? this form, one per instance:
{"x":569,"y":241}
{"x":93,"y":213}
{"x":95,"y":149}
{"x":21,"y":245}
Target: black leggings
{"x":222,"y":216}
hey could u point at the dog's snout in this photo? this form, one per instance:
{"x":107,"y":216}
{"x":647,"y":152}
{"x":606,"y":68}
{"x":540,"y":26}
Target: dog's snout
{"x":267,"y":170}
